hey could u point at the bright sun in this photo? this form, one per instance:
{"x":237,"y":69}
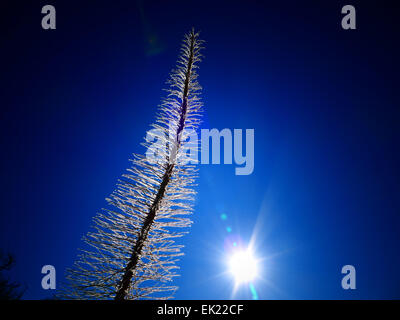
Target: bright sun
{"x":243,"y":266}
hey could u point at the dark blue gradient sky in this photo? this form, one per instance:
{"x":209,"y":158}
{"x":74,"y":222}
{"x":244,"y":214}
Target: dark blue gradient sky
{"x":324,"y":103}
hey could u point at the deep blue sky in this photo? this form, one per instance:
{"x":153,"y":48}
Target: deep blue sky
{"x":324,"y":103}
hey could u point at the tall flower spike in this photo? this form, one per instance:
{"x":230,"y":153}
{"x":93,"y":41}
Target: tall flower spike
{"x":132,"y":251}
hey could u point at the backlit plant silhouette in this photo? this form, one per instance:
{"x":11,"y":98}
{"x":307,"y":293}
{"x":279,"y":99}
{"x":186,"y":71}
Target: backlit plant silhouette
{"x":132,"y":252}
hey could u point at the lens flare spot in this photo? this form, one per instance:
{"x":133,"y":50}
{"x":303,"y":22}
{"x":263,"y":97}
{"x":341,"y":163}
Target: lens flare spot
{"x":253,"y":291}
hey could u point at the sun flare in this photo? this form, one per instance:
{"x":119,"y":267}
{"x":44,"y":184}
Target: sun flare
{"x":243,"y":266}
